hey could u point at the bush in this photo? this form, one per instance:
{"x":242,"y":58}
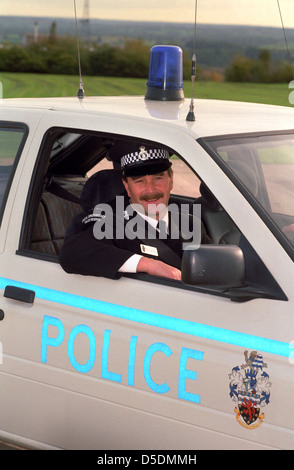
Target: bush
{"x":262,"y":70}
{"x":59,"y":56}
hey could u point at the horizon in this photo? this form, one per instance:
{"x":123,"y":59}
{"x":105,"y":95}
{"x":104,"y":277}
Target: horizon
{"x":146,"y":21}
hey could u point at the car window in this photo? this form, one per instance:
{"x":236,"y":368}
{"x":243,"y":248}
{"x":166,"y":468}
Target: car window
{"x":278,"y":168}
{"x":58,"y":193}
{"x":102,"y":165}
{"x":72,"y":158}
{"x":11,"y":141}
{"x":265,"y":166}
{"x":186,"y":183}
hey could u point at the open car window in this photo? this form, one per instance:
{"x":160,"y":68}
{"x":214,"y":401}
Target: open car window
{"x":186,"y":183}
{"x":67,"y":161}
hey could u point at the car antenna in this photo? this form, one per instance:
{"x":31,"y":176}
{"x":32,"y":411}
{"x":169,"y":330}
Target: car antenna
{"x":81,"y":92}
{"x":191,"y":114}
{"x":286,"y":41}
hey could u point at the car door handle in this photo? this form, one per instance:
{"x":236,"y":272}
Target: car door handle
{"x":20,"y":294}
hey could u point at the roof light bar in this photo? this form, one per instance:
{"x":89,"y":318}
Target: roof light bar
{"x":165,"y":81}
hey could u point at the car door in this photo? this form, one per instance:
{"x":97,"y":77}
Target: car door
{"x":96,"y":363}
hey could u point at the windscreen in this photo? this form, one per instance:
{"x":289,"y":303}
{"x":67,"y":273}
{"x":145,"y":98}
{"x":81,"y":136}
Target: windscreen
{"x":264,"y":165}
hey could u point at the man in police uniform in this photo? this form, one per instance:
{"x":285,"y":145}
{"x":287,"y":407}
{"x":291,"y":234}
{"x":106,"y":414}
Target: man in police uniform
{"x":131,"y":234}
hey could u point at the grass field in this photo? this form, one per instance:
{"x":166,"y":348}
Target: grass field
{"x":17,"y":85}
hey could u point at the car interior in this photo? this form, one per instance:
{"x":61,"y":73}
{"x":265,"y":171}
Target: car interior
{"x":72,"y":184}
{"x":73,"y":174}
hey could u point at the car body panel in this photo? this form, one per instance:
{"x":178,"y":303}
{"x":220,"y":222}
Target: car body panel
{"x":97,"y":363}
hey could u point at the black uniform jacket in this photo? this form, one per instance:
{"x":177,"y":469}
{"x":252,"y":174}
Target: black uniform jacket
{"x":100,"y":242}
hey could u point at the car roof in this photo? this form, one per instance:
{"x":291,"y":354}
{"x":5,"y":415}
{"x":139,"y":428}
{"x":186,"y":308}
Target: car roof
{"x":212,"y":117}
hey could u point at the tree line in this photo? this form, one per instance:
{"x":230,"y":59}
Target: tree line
{"x":261,"y":70}
{"x":58,"y":55}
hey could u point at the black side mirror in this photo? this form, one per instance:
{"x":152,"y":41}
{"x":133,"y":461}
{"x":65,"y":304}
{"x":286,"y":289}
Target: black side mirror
{"x":220,"y":266}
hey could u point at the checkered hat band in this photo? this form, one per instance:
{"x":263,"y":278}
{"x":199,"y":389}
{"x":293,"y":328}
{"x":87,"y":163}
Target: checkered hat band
{"x":143,"y":156}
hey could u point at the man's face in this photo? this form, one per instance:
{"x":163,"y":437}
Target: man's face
{"x":150,"y":191}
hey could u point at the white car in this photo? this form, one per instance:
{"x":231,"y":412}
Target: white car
{"x":143,"y":362}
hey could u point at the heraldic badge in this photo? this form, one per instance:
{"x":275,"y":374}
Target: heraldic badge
{"x":249,"y":387}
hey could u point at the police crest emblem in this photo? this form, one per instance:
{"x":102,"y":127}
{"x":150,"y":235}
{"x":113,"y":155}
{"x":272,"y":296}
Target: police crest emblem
{"x":250,"y":389}
{"x":143,"y":154}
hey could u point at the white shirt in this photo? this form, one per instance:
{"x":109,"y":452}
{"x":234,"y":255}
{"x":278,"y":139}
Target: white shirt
{"x":130,"y":266}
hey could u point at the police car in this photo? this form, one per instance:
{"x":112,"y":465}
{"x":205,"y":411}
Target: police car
{"x":144,"y":362}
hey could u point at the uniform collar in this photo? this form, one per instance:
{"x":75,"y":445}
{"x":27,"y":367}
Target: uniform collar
{"x":151,"y":220}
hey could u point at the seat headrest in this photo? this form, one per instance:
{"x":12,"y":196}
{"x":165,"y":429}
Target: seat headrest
{"x":102,"y":187}
{"x":246,"y":174}
{"x":209,"y":198}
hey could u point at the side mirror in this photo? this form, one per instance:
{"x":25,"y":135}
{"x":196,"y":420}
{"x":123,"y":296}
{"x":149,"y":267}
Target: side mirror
{"x":220,"y":266}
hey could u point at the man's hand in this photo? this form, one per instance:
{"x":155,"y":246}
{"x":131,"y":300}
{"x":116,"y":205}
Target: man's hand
{"x":158,"y":268}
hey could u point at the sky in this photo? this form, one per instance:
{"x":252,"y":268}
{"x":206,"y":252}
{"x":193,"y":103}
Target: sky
{"x":248,"y":12}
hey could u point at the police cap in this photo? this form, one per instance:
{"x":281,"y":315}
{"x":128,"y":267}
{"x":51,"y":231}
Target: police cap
{"x":138,"y":160}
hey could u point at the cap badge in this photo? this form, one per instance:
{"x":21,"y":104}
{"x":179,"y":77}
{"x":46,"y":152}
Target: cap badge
{"x":143,"y":154}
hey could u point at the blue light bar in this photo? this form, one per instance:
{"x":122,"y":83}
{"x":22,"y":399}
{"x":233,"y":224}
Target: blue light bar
{"x":165,"y":81}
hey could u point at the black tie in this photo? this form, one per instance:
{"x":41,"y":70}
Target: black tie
{"x":162,"y":228}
